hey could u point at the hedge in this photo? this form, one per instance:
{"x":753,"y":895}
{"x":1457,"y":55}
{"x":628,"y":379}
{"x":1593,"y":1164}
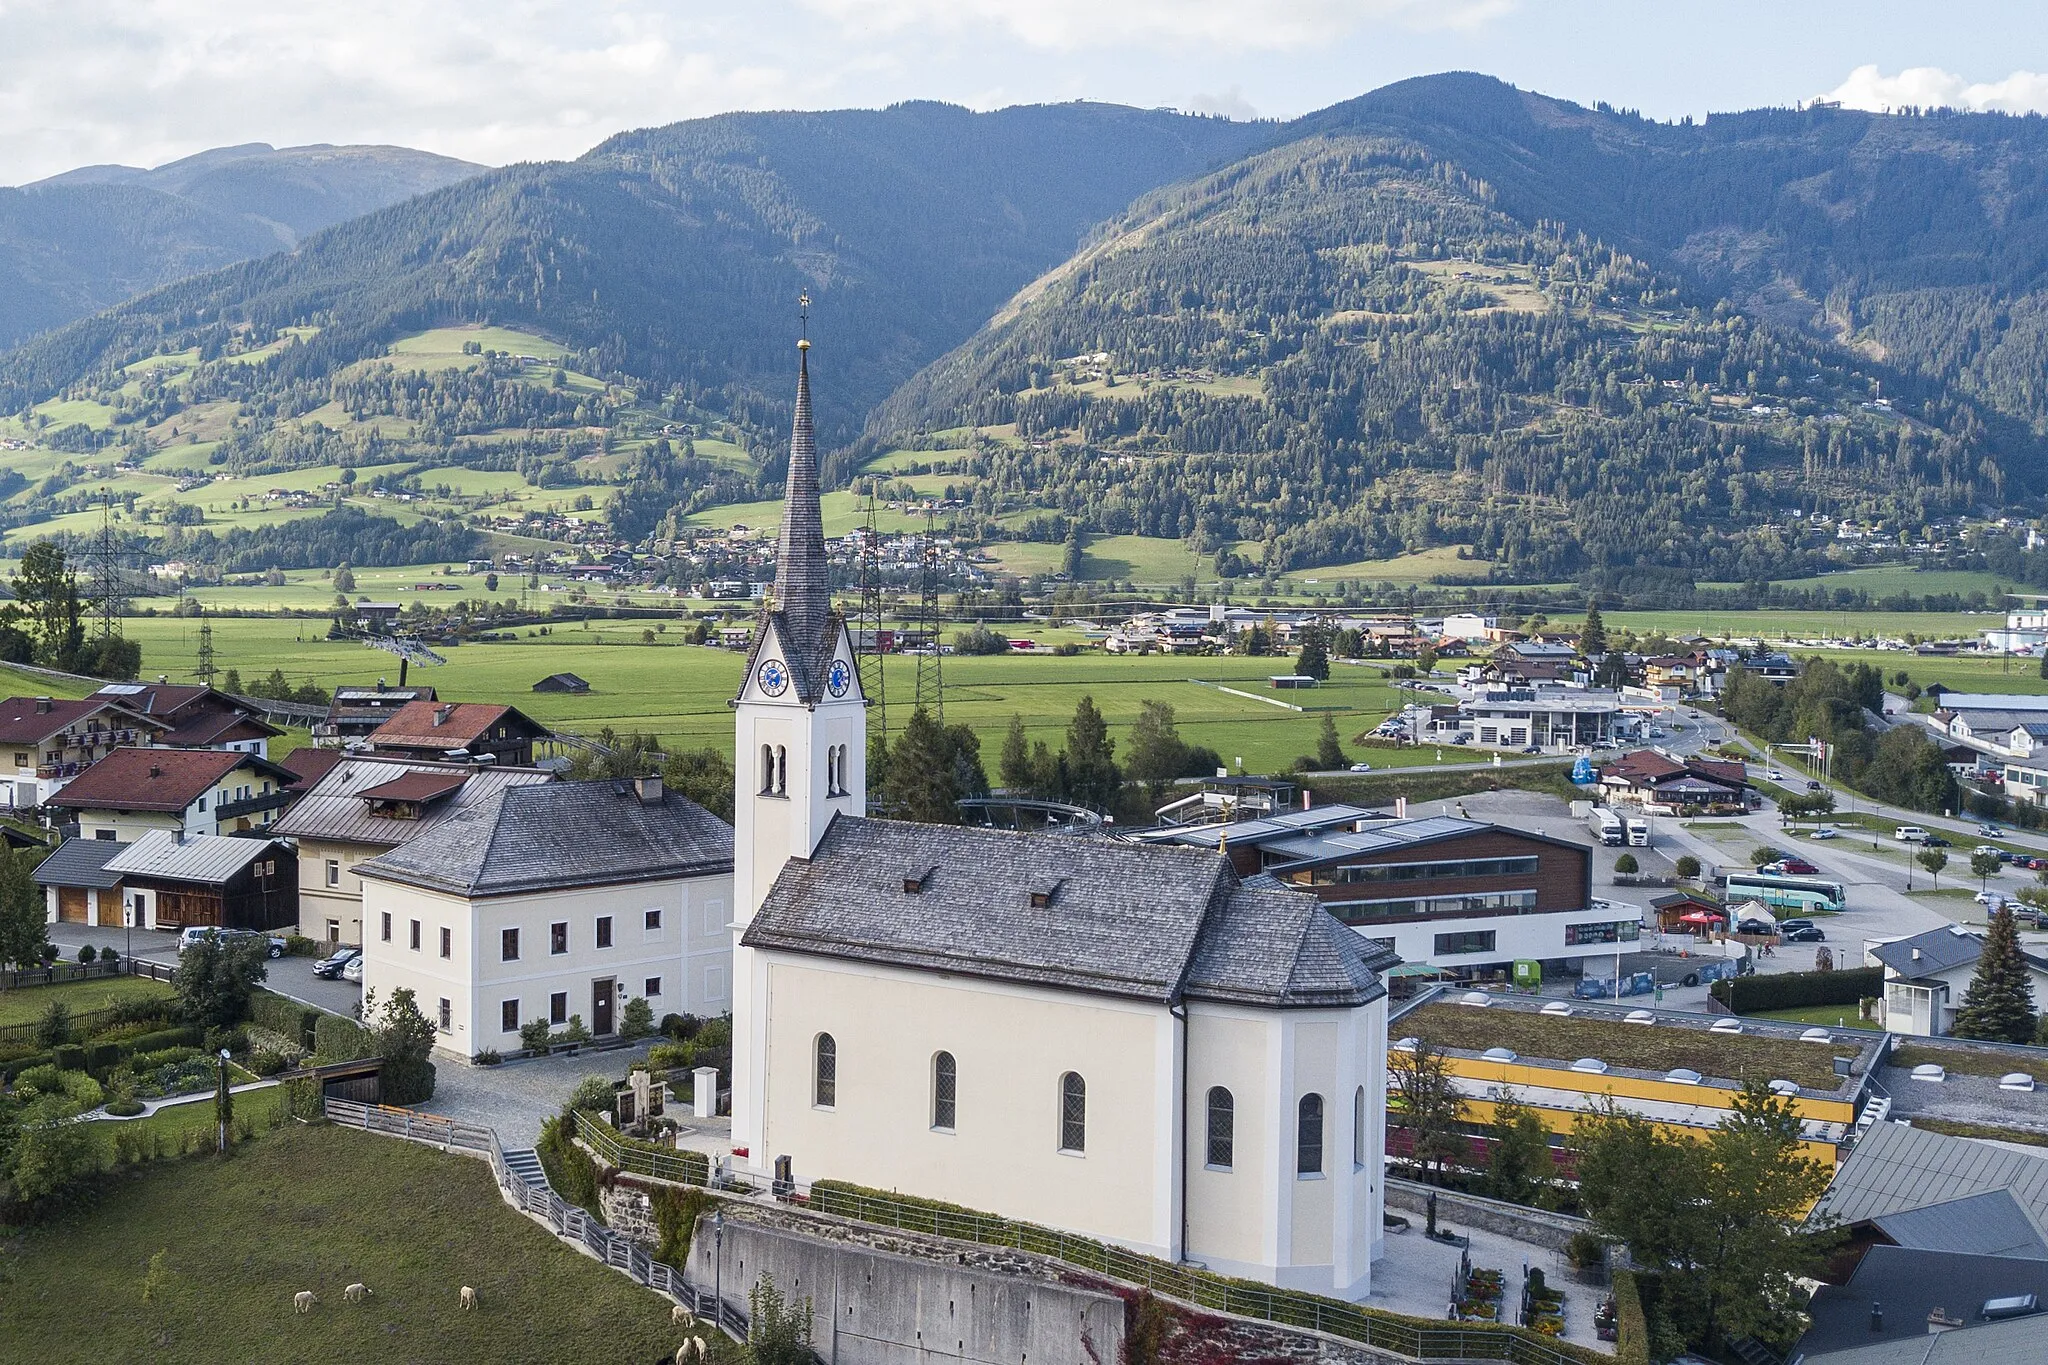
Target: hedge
{"x":9,"y":1070}
{"x":285,"y":1017}
{"x":187,"y":1035}
{"x":100,"y":1058}
{"x":1795,"y":990}
{"x":336,"y":1039}
{"x":1632,"y":1334}
{"x":69,"y":1057}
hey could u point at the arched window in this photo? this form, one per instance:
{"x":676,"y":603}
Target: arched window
{"x":1358,"y":1130}
{"x":825,"y":1078}
{"x":1308,"y":1136}
{"x":945,"y":1080}
{"x":1222,"y":1128}
{"x":1073,"y":1113}
{"x":781,"y":771}
{"x":767,"y":769}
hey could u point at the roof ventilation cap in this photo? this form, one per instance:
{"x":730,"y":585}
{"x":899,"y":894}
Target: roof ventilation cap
{"x":1479,"y":999}
{"x":1682,"y":1075}
{"x":1816,"y":1035}
{"x":1592,"y":1065}
{"x":1640,"y":1017}
{"x":1725,"y":1026}
{"x":1403,"y":1045}
{"x":1498,"y":1054}
{"x":1929,"y":1071}
{"x":1557,"y":1007}
{"x":1784,"y":1087}
{"x":2016,"y":1080}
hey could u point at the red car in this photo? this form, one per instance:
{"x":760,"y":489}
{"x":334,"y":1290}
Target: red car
{"x":1798,"y":867}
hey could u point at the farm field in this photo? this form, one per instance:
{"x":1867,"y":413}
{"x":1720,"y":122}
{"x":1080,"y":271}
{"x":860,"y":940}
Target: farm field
{"x":1884,"y":580}
{"x":316,"y":1208}
{"x":679,"y":692}
{"x":1778,"y":626}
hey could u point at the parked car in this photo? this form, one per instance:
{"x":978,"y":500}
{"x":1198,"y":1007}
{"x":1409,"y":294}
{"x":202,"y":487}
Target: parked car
{"x":354,"y":970}
{"x":1808,"y":934}
{"x":1990,"y":900}
{"x":1910,"y":834}
{"x":1786,"y":926}
{"x":332,"y":966}
{"x":1824,"y":832}
{"x":1361,"y":767}
{"x":1796,"y":867}
{"x":1814,"y":786}
{"x":1989,"y":848}
{"x":1935,"y":841}
{"x":199,"y":933}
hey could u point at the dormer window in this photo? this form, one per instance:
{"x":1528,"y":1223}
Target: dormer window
{"x":914,"y":883}
{"x":1042,"y":896}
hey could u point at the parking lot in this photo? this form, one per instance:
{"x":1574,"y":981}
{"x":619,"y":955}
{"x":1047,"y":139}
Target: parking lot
{"x":289,"y":976}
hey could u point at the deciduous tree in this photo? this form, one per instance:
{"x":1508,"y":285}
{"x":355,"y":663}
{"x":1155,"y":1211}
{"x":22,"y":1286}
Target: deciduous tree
{"x":1425,"y":1102}
{"x":22,"y":913}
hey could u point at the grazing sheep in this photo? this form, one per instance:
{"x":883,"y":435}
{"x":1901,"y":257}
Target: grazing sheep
{"x":689,"y":1350}
{"x":468,"y":1297}
{"x":682,"y":1317}
{"x":303,"y":1301}
{"x":356,"y":1293}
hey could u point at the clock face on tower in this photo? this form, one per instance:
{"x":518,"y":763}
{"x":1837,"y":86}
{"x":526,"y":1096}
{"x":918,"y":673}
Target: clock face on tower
{"x":840,"y":678}
{"x":774,"y":677}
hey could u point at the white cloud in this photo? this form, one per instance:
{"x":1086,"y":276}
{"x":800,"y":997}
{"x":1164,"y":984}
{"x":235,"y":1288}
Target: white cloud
{"x":1074,"y":24}
{"x":1929,"y":87}
{"x":1231,"y":103}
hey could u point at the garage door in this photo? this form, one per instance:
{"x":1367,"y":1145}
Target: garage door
{"x":110,"y":907}
{"x":71,"y":904}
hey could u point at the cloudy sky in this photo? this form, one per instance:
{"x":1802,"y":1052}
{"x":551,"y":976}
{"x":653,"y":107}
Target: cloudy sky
{"x":145,"y":81}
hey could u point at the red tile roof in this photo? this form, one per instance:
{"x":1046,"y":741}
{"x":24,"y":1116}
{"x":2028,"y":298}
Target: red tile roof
{"x":154,"y":779}
{"x":462,"y":724}
{"x":310,"y":765}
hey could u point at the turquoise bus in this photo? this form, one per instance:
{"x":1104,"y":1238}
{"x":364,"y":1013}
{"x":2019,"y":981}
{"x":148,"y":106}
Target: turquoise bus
{"x":1802,"y":894}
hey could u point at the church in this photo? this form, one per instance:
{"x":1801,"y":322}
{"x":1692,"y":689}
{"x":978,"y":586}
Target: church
{"x":1124,"y":1040}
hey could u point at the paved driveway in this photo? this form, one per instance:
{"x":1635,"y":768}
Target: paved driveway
{"x":290,"y":976}
{"x":517,"y":1097}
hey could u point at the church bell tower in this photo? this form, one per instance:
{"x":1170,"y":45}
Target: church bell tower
{"x":800,"y":742}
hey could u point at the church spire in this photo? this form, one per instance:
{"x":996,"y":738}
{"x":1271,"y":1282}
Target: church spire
{"x":803,"y":583}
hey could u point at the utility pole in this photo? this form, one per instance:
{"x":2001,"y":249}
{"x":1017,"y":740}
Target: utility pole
{"x":869,"y":653}
{"x":931,"y":685}
{"x":205,"y":671}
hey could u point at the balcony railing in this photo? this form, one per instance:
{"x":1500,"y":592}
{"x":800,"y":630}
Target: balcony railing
{"x":249,"y":805}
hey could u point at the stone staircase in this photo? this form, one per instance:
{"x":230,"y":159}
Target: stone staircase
{"x":524,"y":1162}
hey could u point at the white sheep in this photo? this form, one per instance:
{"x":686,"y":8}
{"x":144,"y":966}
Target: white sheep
{"x":682,"y":1316}
{"x":693,"y":1348}
{"x":468,"y":1297}
{"x":303,"y":1301}
{"x":356,"y":1292}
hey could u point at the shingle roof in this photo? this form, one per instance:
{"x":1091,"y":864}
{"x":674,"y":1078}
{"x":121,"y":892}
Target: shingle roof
{"x":1893,"y":1168}
{"x":2014,"y":1341}
{"x":157,"y":779}
{"x":207,"y":858}
{"x":1146,"y":921}
{"x":81,"y":862}
{"x":558,"y":835}
{"x":22,"y":723}
{"x":462,"y":724}
{"x":1938,"y":950}
{"x":201,"y":729}
{"x":1910,"y":1284}
{"x":335,"y":809}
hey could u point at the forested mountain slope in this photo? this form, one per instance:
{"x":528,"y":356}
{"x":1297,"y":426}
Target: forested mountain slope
{"x":676,"y":255}
{"x":1343,"y":348}
{"x":81,"y":241}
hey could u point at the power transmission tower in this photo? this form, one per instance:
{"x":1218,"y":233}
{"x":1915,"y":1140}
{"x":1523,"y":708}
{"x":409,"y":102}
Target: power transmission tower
{"x":931,"y":684}
{"x":869,"y":627}
{"x":103,"y":565}
{"x":205,"y":672}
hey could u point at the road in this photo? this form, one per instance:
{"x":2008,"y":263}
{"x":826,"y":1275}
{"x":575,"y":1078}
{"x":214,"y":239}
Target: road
{"x":288,"y":976}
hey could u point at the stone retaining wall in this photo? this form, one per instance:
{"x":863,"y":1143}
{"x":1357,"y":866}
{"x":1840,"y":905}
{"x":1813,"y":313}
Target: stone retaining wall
{"x":1453,"y":1207}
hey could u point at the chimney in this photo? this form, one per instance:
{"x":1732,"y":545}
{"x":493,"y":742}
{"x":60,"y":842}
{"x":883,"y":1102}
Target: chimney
{"x":1916,"y":954}
{"x":648,"y":789}
{"x":1400,"y":808}
{"x":155,"y":771}
{"x":441,"y":714}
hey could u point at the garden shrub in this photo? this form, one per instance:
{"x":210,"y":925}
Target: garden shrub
{"x":336,"y":1039}
{"x":86,"y":954}
{"x":124,"y":1109}
{"x":672,"y":1056}
{"x":43,"y":1079}
{"x":11,"y":1071}
{"x":110,"y":955}
{"x":638,"y":1019}
{"x":100,"y":1058}
{"x":298,"y":945}
{"x":593,"y":1092}
{"x":533,"y":1035}
{"x":569,"y":1168}
{"x":577,"y":1032}
{"x":187,"y":1036}
{"x":233,"y":1040}
{"x":69,"y":1057}
{"x":55,"y":1025}
{"x":715,"y":1033}
{"x":488,"y":1057}
{"x":267,"y":1063}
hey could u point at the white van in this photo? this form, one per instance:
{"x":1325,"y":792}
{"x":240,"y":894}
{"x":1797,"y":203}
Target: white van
{"x":1910,"y":834}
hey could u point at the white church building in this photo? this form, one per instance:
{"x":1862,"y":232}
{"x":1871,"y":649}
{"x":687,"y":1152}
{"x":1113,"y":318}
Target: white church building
{"x":1123,"y":1040}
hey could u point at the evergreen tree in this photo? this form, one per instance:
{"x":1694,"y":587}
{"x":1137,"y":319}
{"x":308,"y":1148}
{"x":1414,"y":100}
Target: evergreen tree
{"x":1593,"y":635}
{"x":1092,"y":778}
{"x":1999,"y":1005}
{"x":1156,"y":753}
{"x":22,"y":929}
{"x":922,"y":783}
{"x":1329,"y":749}
{"x":1315,"y":656}
{"x":1013,"y":770}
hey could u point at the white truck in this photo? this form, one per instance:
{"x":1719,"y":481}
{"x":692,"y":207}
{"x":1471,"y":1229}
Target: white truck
{"x":1638,"y":832}
{"x":1607,"y":827}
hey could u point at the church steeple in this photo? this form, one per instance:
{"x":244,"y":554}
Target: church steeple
{"x":803,"y":582}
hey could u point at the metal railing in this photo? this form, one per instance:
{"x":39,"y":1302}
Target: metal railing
{"x":539,"y":1202}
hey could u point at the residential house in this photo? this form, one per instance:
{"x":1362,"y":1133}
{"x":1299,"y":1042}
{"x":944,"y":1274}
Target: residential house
{"x":1926,"y":974}
{"x":551,"y":902}
{"x":476,"y":732}
{"x":197,"y":716}
{"x":78,"y":888}
{"x":45,"y":742}
{"x":1545,"y":716}
{"x":356,"y":712}
{"x":192,"y":791}
{"x":364,"y":806}
{"x":174,"y":881}
{"x":1461,"y":895}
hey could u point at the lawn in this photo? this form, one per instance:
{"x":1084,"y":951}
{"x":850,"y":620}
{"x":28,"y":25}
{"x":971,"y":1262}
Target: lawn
{"x":1966,"y":1061}
{"x":26,"y":1004}
{"x":1780,"y":627}
{"x":1722,"y":1056}
{"x":1826,"y":1016}
{"x":317,"y":1208}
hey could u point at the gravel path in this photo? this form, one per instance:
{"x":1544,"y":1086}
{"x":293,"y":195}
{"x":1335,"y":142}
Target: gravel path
{"x":517,"y":1097}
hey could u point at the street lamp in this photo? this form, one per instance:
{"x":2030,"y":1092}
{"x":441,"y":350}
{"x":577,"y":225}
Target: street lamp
{"x":223,"y":1103}
{"x":718,"y":1270}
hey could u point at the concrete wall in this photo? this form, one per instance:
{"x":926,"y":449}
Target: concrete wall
{"x":1454,"y":1209}
{"x":870,"y":1307}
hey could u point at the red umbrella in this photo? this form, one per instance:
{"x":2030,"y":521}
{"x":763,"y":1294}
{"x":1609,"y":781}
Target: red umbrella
{"x":1700,"y":917}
